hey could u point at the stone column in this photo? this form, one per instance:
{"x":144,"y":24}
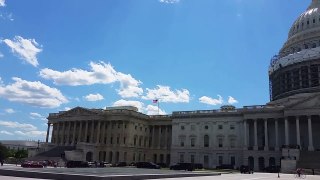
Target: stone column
{"x":298,"y":131}
{"x":277,"y":134}
{"x":255,"y":135}
{"x":68,"y":136}
{"x":74,"y":132}
{"x":91,"y":133}
{"x":310,"y":147}
{"x":123,"y":133}
{"x":104,"y":131}
{"x":159,"y":138}
{"x":80,"y":133}
{"x":86,"y":131}
{"x":63,"y":132}
{"x":286,"y":131}
{"x":57,"y":133}
{"x":166,"y":136}
{"x":266,"y":139}
{"x":245,"y":145}
{"x":98,"y":133}
{"x":153,"y":136}
{"x":48,"y":130}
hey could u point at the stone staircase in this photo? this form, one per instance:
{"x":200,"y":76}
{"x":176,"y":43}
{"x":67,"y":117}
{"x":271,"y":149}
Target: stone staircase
{"x":55,"y":154}
{"x":309,"y":160}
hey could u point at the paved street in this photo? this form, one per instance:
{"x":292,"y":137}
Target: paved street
{"x":255,"y":176}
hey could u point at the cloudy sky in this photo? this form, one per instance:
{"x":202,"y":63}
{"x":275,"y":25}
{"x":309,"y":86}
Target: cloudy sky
{"x":189,"y":54}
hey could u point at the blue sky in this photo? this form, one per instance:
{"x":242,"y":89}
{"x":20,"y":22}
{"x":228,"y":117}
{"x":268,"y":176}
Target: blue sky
{"x":189,"y":54}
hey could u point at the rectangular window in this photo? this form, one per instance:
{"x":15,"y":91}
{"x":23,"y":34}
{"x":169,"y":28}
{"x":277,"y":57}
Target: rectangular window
{"x":193,"y":142}
{"x":220,"y":141}
{"x":182,"y":127}
{"x":182,"y":158}
{"x":220,"y":127}
{"x":220,"y":160}
{"x":193,"y":127}
{"x":232,"y":143}
{"x":124,"y":140}
{"x":233,"y":160}
{"x":232,"y":127}
{"x":192,"y":158}
{"x":182,"y":143}
{"x":111,"y":139}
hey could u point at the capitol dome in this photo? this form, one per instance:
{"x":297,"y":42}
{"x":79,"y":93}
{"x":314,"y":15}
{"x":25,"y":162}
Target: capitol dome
{"x":296,"y":68}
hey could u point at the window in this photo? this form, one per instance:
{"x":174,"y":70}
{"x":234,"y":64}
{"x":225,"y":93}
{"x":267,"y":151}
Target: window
{"x":232,"y":127}
{"x":111,"y":140}
{"x":192,"y":158}
{"x":125,"y":126}
{"x":193,"y":142}
{"x":314,"y":45}
{"x":140,"y":139}
{"x":220,"y":142}
{"x":124,"y":140}
{"x":145,"y":130}
{"x":314,"y":20}
{"x":140,"y":128}
{"x":135,"y":141}
{"x":118,"y":126}
{"x":206,"y":141}
{"x":182,"y":143}
{"x":220,"y":127}
{"x":182,"y":127}
{"x":181,"y":158}
{"x":306,"y":46}
{"x":232,"y":143}
{"x":193,"y":127}
{"x":233,"y":160}
{"x":220,"y":160}
{"x":118,"y":140}
{"x":206,"y":127}
{"x":135,"y":127}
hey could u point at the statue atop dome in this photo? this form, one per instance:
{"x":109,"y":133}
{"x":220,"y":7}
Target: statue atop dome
{"x":314,"y":4}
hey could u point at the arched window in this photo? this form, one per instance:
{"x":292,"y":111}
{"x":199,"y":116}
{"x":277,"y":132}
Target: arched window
{"x":314,"y":45}
{"x":206,"y":141}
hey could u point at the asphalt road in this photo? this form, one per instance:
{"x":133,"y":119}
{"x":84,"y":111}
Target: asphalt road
{"x":255,"y":176}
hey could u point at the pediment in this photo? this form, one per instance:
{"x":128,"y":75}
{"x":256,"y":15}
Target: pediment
{"x":78,"y":111}
{"x":310,"y":102}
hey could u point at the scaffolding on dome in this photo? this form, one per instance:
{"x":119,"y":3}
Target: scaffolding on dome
{"x":304,"y":55}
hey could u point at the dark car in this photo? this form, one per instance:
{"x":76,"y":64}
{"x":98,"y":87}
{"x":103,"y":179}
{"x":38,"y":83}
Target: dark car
{"x":245,"y":169}
{"x":272,"y":169}
{"x":32,"y":164}
{"x":225,"y":166}
{"x":148,"y":165}
{"x":77,"y":164}
{"x":120,"y":164}
{"x":183,"y":166}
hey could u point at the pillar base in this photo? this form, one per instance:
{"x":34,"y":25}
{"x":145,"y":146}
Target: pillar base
{"x":310,"y":148}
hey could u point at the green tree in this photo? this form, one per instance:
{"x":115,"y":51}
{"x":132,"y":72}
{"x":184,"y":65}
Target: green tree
{"x":3,"y":152}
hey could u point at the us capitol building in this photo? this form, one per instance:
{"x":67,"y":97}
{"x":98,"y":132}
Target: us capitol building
{"x":282,"y":132}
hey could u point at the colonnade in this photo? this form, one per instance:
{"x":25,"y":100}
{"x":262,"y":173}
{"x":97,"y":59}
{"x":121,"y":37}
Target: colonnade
{"x":276,"y":121}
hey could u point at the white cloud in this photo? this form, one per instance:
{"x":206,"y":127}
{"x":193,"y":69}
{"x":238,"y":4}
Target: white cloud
{"x":123,"y":102}
{"x":31,"y":133}
{"x":67,"y":108}
{"x":12,"y":124}
{"x":94,"y":97}
{"x":211,"y":101}
{"x":1,"y":55}
{"x":153,"y":110}
{"x":34,"y":115}
{"x":26,"y":49}
{"x":2,"y":3}
{"x":100,"y":73}
{"x":32,"y":93}
{"x":232,"y":100}
{"x":164,"y":94}
{"x":129,"y":87}
{"x":6,"y":132}
{"x":10,"y":111}
{"x":169,"y":1}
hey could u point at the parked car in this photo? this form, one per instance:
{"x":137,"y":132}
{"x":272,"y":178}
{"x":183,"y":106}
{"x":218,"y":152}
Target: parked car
{"x":133,"y":164}
{"x":104,"y":164}
{"x":77,"y":164}
{"x":162,"y":165}
{"x":120,"y":164}
{"x":148,"y":165}
{"x":272,"y":169}
{"x":32,"y":164}
{"x":225,"y":166}
{"x":183,"y":166}
{"x":245,"y":169}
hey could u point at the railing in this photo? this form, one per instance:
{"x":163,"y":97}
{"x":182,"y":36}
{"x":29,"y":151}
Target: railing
{"x":202,"y":112}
